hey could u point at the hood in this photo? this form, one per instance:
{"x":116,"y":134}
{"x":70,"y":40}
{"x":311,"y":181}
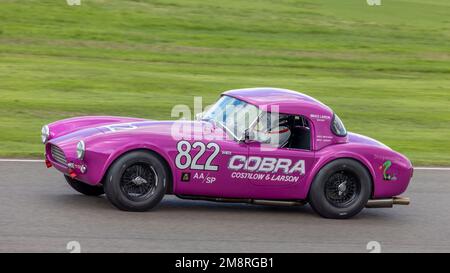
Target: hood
{"x":179,"y":128}
{"x":187,"y":129}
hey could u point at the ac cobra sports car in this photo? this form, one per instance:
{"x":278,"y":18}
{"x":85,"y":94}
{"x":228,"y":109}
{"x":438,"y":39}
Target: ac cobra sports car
{"x":265,"y":146}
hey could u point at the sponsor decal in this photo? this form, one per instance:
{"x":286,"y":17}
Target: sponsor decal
{"x":321,"y":138}
{"x":185,"y":177}
{"x":385,"y":168}
{"x":265,"y":177}
{"x":204,"y":178}
{"x":266,"y":164}
{"x":319,"y":117}
{"x":266,"y":168}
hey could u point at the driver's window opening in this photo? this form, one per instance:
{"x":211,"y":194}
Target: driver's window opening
{"x":283,"y":131}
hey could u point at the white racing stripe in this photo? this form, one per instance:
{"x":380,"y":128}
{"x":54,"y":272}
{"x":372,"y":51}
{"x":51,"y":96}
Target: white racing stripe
{"x":42,"y":161}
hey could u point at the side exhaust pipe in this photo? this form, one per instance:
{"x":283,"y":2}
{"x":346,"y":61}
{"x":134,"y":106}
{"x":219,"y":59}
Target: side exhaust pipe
{"x":247,"y":201}
{"x":387,"y":202}
{"x":278,"y":203}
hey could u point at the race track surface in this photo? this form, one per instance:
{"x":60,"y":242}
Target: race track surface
{"x":39,"y":212}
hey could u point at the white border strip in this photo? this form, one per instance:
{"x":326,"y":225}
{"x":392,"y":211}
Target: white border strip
{"x":42,"y":161}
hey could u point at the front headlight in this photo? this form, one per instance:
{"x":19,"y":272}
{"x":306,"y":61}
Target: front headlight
{"x":45,"y":133}
{"x":81,"y":150}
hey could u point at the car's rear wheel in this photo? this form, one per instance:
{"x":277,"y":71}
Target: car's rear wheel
{"x":341,"y":189}
{"x":84,"y":188}
{"x":136,"y":181}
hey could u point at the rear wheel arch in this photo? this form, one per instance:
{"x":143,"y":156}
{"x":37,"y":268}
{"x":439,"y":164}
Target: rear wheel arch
{"x":162,"y":159}
{"x":358,"y":160}
{"x":357,"y":188}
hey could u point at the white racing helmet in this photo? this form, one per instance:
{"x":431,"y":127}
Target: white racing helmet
{"x":279,"y":136}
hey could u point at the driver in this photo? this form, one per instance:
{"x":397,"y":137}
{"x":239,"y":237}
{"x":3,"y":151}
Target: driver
{"x":277,"y":133}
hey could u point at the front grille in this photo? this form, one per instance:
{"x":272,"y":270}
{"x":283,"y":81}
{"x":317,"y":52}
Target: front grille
{"x":58,"y":155}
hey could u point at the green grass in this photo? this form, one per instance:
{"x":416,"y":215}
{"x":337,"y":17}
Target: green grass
{"x":385,"y":69}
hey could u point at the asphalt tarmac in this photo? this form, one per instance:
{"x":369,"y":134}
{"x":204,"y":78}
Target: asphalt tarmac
{"x":39,"y":212}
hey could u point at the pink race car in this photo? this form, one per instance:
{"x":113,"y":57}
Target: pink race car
{"x":263,"y":146}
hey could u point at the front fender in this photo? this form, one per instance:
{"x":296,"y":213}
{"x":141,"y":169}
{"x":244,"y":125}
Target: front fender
{"x":103,"y":151}
{"x":133,"y":147}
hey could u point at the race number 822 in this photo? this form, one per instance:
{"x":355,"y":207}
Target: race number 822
{"x":184,"y":148}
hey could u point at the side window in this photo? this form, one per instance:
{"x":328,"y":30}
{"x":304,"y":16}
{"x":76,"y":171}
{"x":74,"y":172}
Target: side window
{"x":300,"y":137}
{"x":283,"y":131}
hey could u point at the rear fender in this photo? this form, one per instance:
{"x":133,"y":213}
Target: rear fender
{"x":327,"y":159}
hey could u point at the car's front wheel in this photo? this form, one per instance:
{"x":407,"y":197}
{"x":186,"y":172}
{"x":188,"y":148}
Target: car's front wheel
{"x":84,"y":188}
{"x":136,"y":181}
{"x":341,"y":189}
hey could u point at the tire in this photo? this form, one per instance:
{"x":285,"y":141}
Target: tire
{"x":137,"y":181}
{"x":341,"y":189}
{"x":84,"y":188}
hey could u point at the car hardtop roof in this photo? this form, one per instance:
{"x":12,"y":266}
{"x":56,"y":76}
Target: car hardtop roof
{"x":288,"y":101}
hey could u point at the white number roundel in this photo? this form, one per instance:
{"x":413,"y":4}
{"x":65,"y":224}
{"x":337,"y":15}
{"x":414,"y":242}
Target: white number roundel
{"x":184,"y":148}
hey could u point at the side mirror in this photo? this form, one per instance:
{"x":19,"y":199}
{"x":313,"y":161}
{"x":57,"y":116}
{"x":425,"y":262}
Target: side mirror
{"x":249,"y":136}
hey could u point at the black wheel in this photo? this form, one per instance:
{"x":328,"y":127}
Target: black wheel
{"x":84,"y":188}
{"x":136,"y":182}
{"x":341,"y":189}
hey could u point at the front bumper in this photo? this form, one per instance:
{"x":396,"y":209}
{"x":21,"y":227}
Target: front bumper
{"x":66,"y":163}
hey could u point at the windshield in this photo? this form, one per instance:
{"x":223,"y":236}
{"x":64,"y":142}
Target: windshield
{"x":234,"y":115}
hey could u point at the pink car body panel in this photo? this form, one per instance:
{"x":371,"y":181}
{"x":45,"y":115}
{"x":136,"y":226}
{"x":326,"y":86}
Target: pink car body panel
{"x":107,"y":138}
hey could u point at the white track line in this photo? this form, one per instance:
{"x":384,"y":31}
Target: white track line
{"x":432,"y":168}
{"x":21,"y":160}
{"x":41,"y":161}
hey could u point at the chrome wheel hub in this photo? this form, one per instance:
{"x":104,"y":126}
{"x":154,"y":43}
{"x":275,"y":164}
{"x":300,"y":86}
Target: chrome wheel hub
{"x":342,"y":188}
{"x":139,"y":181}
